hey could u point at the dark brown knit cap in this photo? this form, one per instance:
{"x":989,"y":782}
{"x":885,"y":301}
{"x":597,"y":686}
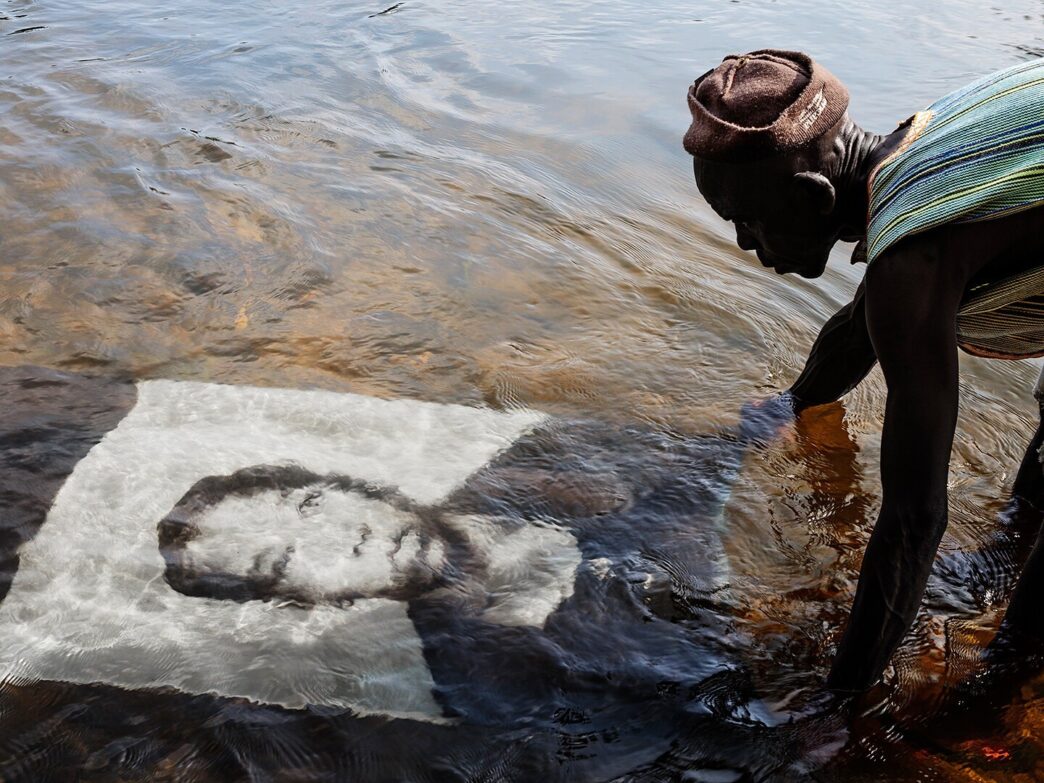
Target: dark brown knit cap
{"x":760,"y":104}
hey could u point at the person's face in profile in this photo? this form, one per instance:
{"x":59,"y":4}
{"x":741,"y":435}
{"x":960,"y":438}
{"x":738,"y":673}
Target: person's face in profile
{"x":774,"y":214}
{"x":284,"y":533}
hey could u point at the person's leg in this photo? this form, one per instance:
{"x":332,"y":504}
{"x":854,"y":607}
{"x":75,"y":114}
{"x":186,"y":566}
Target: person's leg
{"x":1024,"y":619}
{"x":1029,"y":482}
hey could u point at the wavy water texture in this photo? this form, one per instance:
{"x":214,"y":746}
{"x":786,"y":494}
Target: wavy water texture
{"x":489,"y":207}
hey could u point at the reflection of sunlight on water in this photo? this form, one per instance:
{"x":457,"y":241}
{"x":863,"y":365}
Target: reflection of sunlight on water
{"x":476,"y":208}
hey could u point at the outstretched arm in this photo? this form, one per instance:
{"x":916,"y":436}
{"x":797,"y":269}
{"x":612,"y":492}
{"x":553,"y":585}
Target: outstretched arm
{"x":912,"y":301}
{"x":840,"y":358}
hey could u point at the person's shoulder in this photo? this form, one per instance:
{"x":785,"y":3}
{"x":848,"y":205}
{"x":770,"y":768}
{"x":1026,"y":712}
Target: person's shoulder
{"x":961,"y":248}
{"x":917,"y":255}
{"x":931,"y":270}
{"x":924,"y":272}
{"x":958,"y":246}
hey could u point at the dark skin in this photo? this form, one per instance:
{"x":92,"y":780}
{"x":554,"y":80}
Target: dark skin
{"x":791,"y":209}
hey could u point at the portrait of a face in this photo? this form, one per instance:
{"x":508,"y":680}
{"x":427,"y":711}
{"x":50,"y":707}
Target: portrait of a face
{"x":310,"y":540}
{"x":386,"y":573}
{"x":241,"y":541}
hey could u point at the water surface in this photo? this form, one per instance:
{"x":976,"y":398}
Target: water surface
{"x":489,"y":206}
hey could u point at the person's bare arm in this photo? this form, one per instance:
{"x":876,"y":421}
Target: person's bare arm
{"x":912,"y":298}
{"x":840,"y":358}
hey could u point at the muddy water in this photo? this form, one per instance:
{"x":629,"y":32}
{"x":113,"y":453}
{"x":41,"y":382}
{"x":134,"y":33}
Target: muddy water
{"x":489,"y":206}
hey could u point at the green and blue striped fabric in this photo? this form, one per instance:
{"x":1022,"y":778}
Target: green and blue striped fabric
{"x":976,"y":154}
{"x":979,"y":154}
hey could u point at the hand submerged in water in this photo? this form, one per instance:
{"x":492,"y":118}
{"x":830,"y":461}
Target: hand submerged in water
{"x":763,"y":420}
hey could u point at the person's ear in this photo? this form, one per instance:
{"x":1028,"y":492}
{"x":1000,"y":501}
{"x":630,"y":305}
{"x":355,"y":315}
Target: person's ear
{"x":817,"y":189}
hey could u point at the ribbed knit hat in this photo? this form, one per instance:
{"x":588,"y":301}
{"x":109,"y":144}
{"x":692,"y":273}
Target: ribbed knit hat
{"x":763,"y":103}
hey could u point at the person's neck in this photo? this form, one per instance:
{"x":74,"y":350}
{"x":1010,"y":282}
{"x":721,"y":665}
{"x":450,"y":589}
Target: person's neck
{"x":856,"y":154}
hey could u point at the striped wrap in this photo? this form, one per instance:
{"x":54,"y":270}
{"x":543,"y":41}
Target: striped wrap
{"x":976,"y":154}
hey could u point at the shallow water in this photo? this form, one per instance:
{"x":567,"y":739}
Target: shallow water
{"x":489,"y":206}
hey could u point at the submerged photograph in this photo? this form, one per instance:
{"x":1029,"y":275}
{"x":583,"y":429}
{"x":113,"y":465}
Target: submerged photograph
{"x":437,"y":391}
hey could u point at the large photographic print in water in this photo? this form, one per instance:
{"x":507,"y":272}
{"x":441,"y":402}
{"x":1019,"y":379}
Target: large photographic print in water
{"x":362,"y":588}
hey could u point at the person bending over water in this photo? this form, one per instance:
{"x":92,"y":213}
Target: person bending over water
{"x":947,"y":214}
